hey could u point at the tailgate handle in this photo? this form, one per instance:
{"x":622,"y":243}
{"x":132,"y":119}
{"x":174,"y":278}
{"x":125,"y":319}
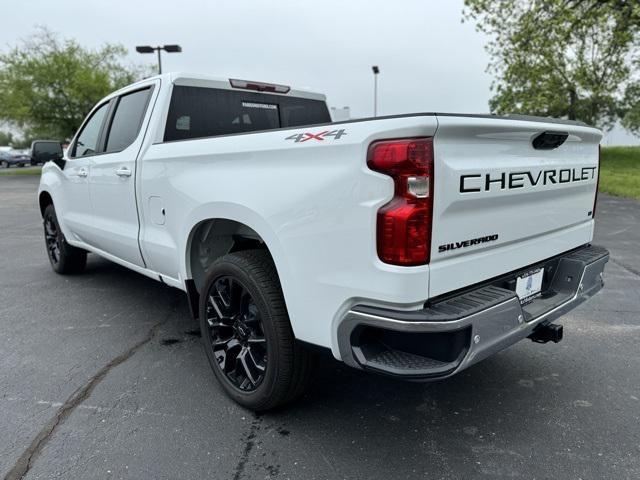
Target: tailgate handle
{"x":549,"y":140}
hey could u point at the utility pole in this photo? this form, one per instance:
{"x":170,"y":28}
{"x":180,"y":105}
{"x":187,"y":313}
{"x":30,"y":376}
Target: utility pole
{"x":159,"y":62}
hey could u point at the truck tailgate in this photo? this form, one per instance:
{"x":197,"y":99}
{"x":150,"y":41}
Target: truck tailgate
{"x":500,"y":204}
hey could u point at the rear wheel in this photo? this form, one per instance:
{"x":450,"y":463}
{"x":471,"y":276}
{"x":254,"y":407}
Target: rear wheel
{"x":247,"y":334}
{"x":63,"y":257}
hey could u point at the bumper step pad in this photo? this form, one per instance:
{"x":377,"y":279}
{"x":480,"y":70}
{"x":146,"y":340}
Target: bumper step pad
{"x":400,"y":360}
{"x":447,"y":310}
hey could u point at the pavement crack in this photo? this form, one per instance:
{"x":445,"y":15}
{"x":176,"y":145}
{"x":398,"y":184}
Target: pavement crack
{"x":626,"y":267}
{"x":24,"y":462}
{"x":249,"y":443}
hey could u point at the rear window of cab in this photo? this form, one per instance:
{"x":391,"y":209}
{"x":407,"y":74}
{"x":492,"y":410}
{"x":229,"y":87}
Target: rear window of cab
{"x":200,"y":112}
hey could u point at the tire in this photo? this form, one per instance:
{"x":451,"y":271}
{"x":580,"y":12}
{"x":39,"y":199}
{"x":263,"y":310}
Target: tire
{"x":4,"y":164}
{"x":64,"y":258}
{"x":242,"y":309}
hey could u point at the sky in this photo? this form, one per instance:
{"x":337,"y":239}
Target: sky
{"x":429,"y":60}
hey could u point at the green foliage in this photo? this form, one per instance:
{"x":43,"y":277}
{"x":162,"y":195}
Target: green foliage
{"x":9,"y":139}
{"x":48,"y":84}
{"x":573,"y":59}
{"x":11,"y":172}
{"x":631,"y":110}
{"x":6,"y":138}
{"x":20,"y":143}
{"x":620,"y":171}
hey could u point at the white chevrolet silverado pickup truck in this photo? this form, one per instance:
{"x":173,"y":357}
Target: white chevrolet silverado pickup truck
{"x":412,"y":245}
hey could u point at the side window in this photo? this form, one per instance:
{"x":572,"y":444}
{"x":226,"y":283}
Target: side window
{"x":127,"y":120}
{"x":87,"y":142}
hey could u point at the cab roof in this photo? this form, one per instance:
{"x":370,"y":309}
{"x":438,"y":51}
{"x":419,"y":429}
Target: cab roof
{"x":210,"y":81}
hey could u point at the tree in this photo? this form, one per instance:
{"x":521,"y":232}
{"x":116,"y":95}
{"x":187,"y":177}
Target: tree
{"x":48,"y":84}
{"x":575,"y":59}
{"x":6,"y":138}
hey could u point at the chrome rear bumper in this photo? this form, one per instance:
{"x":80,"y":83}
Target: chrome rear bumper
{"x":451,"y":334}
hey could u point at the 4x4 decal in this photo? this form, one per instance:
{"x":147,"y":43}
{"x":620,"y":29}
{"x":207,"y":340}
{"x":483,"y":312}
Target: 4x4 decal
{"x":303,"y":137}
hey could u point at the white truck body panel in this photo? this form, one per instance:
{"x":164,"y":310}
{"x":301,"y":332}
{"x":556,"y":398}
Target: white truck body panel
{"x":315,"y":204}
{"x":533,"y":222}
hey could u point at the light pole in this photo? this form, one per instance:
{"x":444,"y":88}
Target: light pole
{"x":376,"y":71}
{"x":166,"y":48}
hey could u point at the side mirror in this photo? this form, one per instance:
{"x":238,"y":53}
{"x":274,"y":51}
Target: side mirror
{"x":43,"y":151}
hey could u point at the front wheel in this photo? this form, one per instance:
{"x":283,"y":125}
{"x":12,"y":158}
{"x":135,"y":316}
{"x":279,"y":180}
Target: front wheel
{"x":63,"y":257}
{"x":247,"y":334}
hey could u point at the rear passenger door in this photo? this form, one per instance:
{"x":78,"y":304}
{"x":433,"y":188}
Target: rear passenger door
{"x":112,"y":179}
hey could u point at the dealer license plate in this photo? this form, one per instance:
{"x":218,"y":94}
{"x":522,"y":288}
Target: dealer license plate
{"x":528,"y":286}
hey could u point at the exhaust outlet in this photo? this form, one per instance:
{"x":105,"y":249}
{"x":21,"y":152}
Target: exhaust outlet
{"x":549,"y":332}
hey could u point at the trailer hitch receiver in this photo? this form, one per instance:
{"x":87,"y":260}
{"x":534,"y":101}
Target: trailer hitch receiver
{"x":549,"y":332}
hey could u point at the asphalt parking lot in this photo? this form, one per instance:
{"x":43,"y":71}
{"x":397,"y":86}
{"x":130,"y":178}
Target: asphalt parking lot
{"x":102,"y":376}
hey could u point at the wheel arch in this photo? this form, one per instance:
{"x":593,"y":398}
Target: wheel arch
{"x":213,"y":236}
{"x":44,"y":200}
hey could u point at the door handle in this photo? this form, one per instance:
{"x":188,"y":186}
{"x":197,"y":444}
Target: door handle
{"x":123,"y":172}
{"x":82,"y":172}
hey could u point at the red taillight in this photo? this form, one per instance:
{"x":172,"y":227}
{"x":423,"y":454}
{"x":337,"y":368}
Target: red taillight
{"x":404,"y":224}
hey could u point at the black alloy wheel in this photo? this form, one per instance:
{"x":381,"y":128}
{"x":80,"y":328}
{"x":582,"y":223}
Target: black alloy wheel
{"x":52,"y":239}
{"x":64,"y":258}
{"x":247,"y":335}
{"x":236,"y":333}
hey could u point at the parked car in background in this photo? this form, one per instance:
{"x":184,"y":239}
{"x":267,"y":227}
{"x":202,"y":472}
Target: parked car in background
{"x":22,"y":158}
{"x":17,"y":158}
{"x":5,"y":156}
{"x":47,"y":150}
